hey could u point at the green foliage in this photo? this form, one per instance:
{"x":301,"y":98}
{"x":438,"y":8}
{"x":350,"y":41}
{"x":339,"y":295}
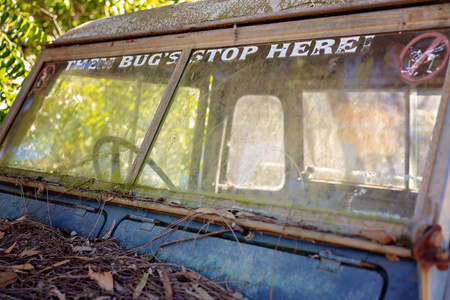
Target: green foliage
{"x":18,"y":34}
{"x":25,"y":24}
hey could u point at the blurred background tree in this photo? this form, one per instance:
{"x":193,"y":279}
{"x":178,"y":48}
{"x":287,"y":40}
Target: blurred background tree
{"x":26,"y":23}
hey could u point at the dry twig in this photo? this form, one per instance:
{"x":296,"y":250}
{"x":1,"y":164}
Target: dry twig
{"x":44,"y":265}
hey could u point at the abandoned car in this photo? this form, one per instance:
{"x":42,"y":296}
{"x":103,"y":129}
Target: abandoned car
{"x":294,"y":149}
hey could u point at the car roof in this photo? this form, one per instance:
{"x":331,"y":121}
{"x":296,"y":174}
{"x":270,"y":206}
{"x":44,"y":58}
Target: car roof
{"x":211,"y":14}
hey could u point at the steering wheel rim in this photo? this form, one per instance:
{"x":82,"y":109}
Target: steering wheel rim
{"x":123,"y":142}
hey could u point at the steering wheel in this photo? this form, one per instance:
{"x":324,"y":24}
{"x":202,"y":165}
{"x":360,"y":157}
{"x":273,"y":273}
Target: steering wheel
{"x":117,"y":142}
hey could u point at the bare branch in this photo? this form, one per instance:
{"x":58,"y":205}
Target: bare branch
{"x":51,"y":16}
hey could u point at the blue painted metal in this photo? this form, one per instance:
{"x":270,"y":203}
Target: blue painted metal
{"x":246,"y":266}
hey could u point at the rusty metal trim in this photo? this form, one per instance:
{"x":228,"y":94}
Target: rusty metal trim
{"x":164,"y":104}
{"x":252,"y":225}
{"x":428,"y":250}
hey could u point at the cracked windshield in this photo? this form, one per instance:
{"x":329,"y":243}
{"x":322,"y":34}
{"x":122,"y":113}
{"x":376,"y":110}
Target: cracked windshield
{"x":341,"y":124}
{"x":88,"y":117}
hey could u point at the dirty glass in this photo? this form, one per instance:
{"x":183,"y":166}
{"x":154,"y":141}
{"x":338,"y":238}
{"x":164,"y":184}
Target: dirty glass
{"x":88,"y":117}
{"x":341,"y":124}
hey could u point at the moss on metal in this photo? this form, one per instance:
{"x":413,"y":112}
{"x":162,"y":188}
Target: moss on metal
{"x":188,"y":15}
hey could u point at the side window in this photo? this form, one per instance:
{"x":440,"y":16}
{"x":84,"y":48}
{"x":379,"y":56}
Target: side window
{"x":256,"y":146}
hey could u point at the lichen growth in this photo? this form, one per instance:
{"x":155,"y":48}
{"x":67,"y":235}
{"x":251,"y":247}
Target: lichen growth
{"x":185,"y":15}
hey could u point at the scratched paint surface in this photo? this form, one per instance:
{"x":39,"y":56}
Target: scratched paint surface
{"x":186,"y":14}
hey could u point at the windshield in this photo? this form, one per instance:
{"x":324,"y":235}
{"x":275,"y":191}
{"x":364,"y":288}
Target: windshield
{"x":339,"y":124}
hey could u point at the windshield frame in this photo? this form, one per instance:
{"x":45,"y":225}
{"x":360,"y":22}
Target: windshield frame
{"x":397,"y":20}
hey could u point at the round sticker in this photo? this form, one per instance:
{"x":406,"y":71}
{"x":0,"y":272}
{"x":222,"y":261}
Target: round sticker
{"x":424,"y":57}
{"x":44,"y":77}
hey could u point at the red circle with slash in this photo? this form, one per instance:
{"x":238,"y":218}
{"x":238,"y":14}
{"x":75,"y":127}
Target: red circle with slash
{"x":44,"y":77}
{"x":410,"y":73}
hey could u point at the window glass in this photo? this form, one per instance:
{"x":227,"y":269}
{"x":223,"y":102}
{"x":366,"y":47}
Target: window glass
{"x":341,"y":124}
{"x":173,"y":153}
{"x":88,"y":117}
{"x":256,"y":146}
{"x":366,"y":132}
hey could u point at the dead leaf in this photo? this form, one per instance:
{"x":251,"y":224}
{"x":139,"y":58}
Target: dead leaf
{"x":238,"y":296}
{"x":191,"y":275}
{"x":21,"y":219}
{"x":83,"y":258}
{"x":2,"y":234}
{"x":60,"y":295}
{"x":314,"y":256}
{"x":212,"y":211}
{"x":138,"y":290}
{"x":166,"y":283}
{"x":201,"y":292}
{"x":7,"y":278}
{"x":119,"y":288}
{"x":10,"y":248}
{"x":379,"y":236}
{"x":18,"y":267}
{"x":392,"y":257}
{"x":10,"y":225}
{"x":27,"y":253}
{"x":245,"y":214}
{"x":41,"y":190}
{"x":108,"y":234}
{"x":82,"y":249}
{"x":104,"y":280}
{"x":55,"y":265}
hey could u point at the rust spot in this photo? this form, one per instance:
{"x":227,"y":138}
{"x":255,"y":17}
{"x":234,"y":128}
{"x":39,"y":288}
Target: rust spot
{"x":427,"y":250}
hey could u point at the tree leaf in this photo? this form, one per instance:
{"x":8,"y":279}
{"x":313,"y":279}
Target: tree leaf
{"x":6,"y":53}
{"x":9,"y":63}
{"x":10,"y":248}
{"x":219,"y":212}
{"x":24,"y":28}
{"x":18,"y":267}
{"x":55,"y":265}
{"x":104,"y":280}
{"x":392,"y":257}
{"x":4,"y":17}
{"x":27,"y":253}
{"x":201,"y":292}
{"x":7,"y":278}
{"x":14,"y":70}
{"x":138,"y":290}
{"x":166,"y":284}
{"x":379,"y":236}
{"x":3,"y":46}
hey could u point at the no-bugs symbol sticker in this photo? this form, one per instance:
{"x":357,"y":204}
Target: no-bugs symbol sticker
{"x":424,"y":57}
{"x":44,"y":77}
